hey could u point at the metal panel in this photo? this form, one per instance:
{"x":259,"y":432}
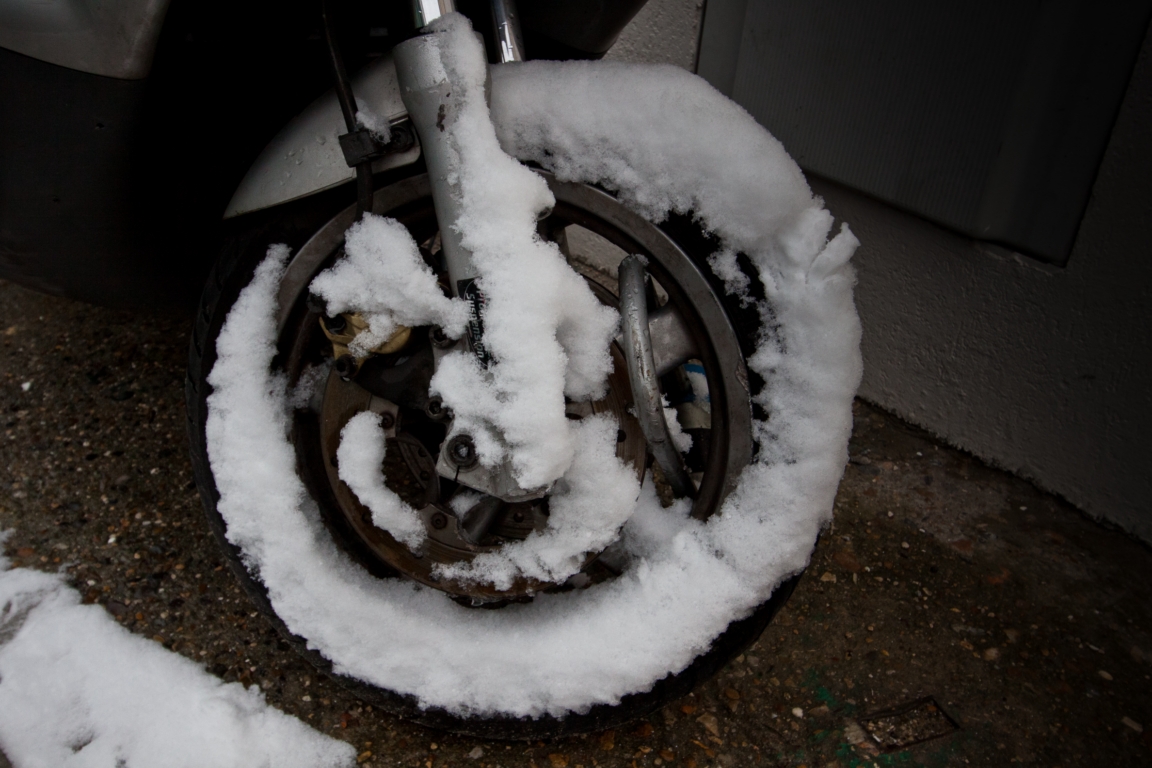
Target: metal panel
{"x":986,"y":116}
{"x":114,"y":39}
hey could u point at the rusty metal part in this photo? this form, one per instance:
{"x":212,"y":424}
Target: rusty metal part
{"x":448,"y":540}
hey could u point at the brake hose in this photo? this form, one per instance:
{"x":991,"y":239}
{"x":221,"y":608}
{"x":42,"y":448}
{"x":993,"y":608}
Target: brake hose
{"x":359,"y":146}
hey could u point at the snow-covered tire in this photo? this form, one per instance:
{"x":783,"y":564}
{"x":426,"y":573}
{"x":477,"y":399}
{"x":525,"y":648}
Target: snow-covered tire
{"x":294,"y":225}
{"x":785,"y":290}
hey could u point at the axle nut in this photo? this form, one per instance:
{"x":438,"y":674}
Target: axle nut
{"x":461,"y":451}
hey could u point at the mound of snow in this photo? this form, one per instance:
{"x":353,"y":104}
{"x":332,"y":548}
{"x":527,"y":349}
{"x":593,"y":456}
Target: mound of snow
{"x":77,"y":689}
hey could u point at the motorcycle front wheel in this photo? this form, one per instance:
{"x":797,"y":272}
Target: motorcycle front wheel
{"x":585,"y":218}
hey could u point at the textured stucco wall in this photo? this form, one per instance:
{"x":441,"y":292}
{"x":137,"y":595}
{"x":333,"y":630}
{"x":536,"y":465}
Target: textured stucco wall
{"x":1044,"y":371}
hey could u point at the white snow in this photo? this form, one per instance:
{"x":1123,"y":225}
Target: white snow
{"x":376,"y":125}
{"x":383,"y":277}
{"x":545,"y":329}
{"x":588,"y":505}
{"x":665,"y":141}
{"x":681,"y":439}
{"x":77,"y":689}
{"x":359,"y":460}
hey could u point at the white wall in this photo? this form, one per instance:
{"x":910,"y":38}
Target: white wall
{"x":1044,"y":371}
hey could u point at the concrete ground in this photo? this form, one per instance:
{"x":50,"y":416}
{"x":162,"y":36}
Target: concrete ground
{"x":950,"y":604}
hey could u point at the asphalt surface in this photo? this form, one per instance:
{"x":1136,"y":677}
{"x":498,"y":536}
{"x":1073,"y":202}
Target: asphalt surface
{"x":950,"y":604}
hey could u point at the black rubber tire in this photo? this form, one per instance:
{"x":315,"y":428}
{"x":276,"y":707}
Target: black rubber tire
{"x":246,"y":244}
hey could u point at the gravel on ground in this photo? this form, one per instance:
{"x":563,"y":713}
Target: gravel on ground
{"x":952,"y":615}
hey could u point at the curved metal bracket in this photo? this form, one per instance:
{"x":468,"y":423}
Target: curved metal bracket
{"x":642,"y":375}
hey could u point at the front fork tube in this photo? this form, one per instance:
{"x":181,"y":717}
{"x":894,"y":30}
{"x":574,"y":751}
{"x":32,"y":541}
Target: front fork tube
{"x":433,"y":102}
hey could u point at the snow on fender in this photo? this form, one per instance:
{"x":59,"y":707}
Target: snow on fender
{"x":665,"y":142}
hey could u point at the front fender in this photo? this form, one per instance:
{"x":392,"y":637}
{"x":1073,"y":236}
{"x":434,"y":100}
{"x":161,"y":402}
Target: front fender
{"x":305,"y":157}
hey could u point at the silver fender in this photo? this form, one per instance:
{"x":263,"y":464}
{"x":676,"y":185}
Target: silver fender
{"x":305,"y":157}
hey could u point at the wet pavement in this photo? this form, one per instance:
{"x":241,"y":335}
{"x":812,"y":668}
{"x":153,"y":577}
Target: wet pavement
{"x":953,"y":615}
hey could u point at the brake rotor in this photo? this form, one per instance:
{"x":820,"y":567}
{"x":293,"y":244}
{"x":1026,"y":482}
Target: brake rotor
{"x":409,"y":470}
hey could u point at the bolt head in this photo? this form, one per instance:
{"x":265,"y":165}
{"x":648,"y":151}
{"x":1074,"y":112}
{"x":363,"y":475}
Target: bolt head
{"x":439,"y":521}
{"x":462,"y":451}
{"x":438,"y":338}
{"x":346,"y":366}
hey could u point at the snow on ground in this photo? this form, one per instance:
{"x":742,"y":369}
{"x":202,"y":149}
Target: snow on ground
{"x":77,"y":689}
{"x":665,"y":141}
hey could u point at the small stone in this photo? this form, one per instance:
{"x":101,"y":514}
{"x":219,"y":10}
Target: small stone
{"x":1104,"y":674}
{"x":905,"y":545}
{"x":644,"y":731}
{"x":476,"y":753}
{"x":829,"y":577}
{"x":363,"y":756}
{"x":797,"y":712}
{"x":710,"y":723}
{"x":688,"y":709}
{"x":991,"y":654}
{"x":608,"y":740}
{"x":1132,"y":724}
{"x":732,"y":693}
{"x":854,"y":734}
{"x":668,"y":755}
{"x":558,"y":760}
{"x":846,"y":560}
{"x":819,"y":711}
{"x":1012,"y":634}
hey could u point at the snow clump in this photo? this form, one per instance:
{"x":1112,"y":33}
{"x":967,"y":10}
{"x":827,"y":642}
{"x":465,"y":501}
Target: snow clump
{"x":80,"y":690}
{"x":587,"y":508}
{"x":360,"y":459}
{"x":383,"y":277}
{"x":548,"y":334}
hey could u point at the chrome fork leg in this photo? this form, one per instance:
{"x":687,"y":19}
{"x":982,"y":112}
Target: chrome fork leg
{"x":642,"y":376}
{"x":507,"y":26}
{"x":427,"y":11}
